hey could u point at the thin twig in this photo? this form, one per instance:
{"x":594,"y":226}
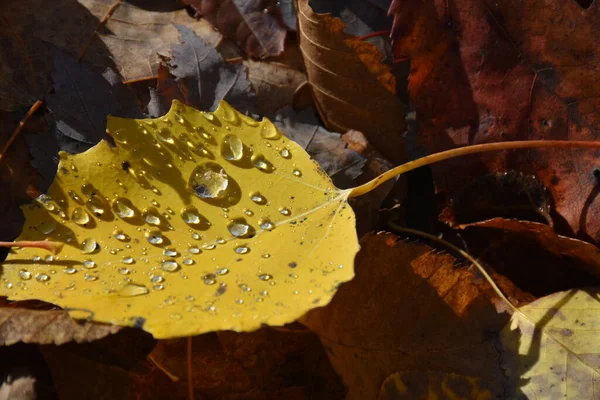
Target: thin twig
{"x":19,"y":127}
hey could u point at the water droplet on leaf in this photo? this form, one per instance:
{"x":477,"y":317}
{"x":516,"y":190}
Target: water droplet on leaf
{"x":232,"y":148}
{"x":209,"y":181}
{"x":80,"y":216}
{"x":132,"y":289}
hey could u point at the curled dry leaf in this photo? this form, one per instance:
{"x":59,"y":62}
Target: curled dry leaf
{"x":47,"y":327}
{"x":194,"y":222}
{"x":493,"y":71}
{"x":439,"y":321}
{"x":253,"y":25}
{"x":352,"y":88}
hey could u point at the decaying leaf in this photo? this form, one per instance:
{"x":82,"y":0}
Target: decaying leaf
{"x":551,"y":350}
{"x":352,"y":88}
{"x":195,"y":222}
{"x":201,"y":78}
{"x":441,"y":320}
{"x":47,"y":327}
{"x":418,"y":385}
{"x":508,"y":70}
{"x":254,"y":25}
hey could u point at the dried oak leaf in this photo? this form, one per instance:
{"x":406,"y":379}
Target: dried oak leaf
{"x":47,"y":327}
{"x":533,"y":255}
{"x":254,"y":25}
{"x":441,"y":320}
{"x":352,"y":88}
{"x":508,"y":70}
{"x":198,"y":76}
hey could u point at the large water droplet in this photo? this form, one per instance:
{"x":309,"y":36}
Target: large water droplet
{"x":80,"y":216}
{"x":248,"y":120}
{"x":95,"y":205}
{"x":24,"y":274}
{"x":190,"y":215}
{"x":169,"y":265}
{"x":47,"y":227}
{"x":232,"y":148}
{"x":89,"y":246}
{"x":238,"y":229}
{"x":154,"y":236}
{"x":258,"y":198}
{"x":209,"y":181}
{"x":229,"y":114}
{"x":123,"y":207}
{"x":152,"y":216}
{"x":164,"y":135}
{"x":132,"y":289}
{"x":268,"y":130}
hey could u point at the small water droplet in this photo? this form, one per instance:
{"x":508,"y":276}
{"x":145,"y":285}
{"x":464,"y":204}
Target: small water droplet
{"x":179,"y":118}
{"x":152,"y":216}
{"x":266,"y":224}
{"x":209,"y":246}
{"x":238,"y":229}
{"x":297,"y":173}
{"x":259,"y":161}
{"x":47,"y":227}
{"x":188,"y":261}
{"x":119,"y":235}
{"x":49,"y":258}
{"x":242,"y":249}
{"x":42,"y":277}
{"x":164,"y":135}
{"x":95,"y":205}
{"x":209,"y":279}
{"x":128,"y":260}
{"x":209,"y":117}
{"x":89,"y":246}
{"x":258,"y":198}
{"x":133,"y":289}
{"x":268,"y":130}
{"x":248,"y":212}
{"x":89,"y":264}
{"x":285,"y":211}
{"x":24,"y":274}
{"x":195,"y":236}
{"x":209,"y":181}
{"x":232,"y":148}
{"x":285,"y":153}
{"x":70,"y":270}
{"x":123,"y":207}
{"x":265,"y":277}
{"x":124,"y":271}
{"x":190,"y":215}
{"x":169,"y":265}
{"x":154,"y":236}
{"x":80,"y":216}
{"x":194,"y":250}
{"x":170,"y":252}
{"x":267,"y":255}
{"x":156,"y":279}
{"x":222,"y":271}
{"x":75,"y":197}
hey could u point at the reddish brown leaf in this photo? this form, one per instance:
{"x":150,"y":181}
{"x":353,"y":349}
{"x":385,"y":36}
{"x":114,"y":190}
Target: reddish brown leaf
{"x":440,"y":320}
{"x":352,"y":88}
{"x":508,"y":70}
{"x":254,"y":25}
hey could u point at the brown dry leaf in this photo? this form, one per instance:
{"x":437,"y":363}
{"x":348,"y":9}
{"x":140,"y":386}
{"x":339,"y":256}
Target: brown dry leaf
{"x":535,"y":257}
{"x":253,"y":25}
{"x":352,"y":88}
{"x":410,"y":308}
{"x":47,"y":327}
{"x":509,"y":70}
{"x":266,"y":364}
{"x":417,"y":385}
{"x":275,"y":84}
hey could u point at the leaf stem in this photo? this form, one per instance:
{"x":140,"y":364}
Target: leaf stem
{"x":53,"y":247}
{"x":462,"y":151}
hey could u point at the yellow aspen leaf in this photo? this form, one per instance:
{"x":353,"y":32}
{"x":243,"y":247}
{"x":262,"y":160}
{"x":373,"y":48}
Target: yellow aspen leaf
{"x":194,"y":222}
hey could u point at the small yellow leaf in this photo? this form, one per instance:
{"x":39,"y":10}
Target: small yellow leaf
{"x":552,"y":350}
{"x":194,"y":222}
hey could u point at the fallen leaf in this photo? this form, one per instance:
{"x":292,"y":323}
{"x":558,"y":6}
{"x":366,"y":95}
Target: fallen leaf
{"x":352,"y":88}
{"x":413,"y":385}
{"x":47,"y":327}
{"x":25,"y":374}
{"x":551,"y":350}
{"x":253,"y":25}
{"x":201,"y":78}
{"x":492,"y":71}
{"x":410,"y":308}
{"x":177,"y":239}
{"x":535,"y":257}
{"x":266,"y":364}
